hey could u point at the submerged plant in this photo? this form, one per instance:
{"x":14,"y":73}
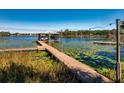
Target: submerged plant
{"x":102,"y":58}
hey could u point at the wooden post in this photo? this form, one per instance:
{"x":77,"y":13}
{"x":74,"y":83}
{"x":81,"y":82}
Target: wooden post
{"x":61,"y":41}
{"x":39,"y":36}
{"x":49,"y":35}
{"x":118,"y":64}
{"x":61,"y":33}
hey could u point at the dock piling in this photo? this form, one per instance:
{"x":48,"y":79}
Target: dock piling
{"x":118,"y":64}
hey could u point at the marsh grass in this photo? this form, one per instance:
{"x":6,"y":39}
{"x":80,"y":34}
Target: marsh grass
{"x":33,"y":67}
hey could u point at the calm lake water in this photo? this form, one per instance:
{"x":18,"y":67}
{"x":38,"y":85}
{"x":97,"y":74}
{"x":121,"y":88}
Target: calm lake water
{"x":27,"y":41}
{"x":76,"y":42}
{"x":17,"y":41}
{"x":83,"y":49}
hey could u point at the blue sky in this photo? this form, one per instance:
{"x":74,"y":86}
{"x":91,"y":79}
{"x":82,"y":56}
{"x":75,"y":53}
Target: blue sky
{"x":55,"y":20}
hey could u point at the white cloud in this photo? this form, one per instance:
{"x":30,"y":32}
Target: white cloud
{"x":49,"y":26}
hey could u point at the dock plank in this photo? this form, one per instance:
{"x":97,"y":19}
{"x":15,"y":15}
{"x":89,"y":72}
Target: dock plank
{"x":22,"y":49}
{"x":106,"y":43}
{"x":84,"y":72}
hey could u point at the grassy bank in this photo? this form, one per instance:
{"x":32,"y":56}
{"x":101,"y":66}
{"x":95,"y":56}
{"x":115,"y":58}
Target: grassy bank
{"x":32,"y":67}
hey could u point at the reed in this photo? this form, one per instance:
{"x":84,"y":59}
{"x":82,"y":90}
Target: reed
{"x":33,"y":67}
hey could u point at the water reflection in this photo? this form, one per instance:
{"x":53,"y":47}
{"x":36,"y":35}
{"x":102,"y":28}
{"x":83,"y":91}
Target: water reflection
{"x":17,"y":41}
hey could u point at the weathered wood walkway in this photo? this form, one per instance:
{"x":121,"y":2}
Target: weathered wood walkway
{"x":22,"y":49}
{"x":82,"y":71}
{"x":106,"y":43}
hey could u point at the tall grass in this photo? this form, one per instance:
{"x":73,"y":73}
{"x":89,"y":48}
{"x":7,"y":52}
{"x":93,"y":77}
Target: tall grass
{"x":33,"y":67}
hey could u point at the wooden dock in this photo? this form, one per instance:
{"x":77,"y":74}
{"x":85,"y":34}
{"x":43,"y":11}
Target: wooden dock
{"x":22,"y":49}
{"x":83,"y":72}
{"x":106,"y":43}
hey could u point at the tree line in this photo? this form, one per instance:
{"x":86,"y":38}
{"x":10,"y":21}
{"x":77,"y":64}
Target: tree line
{"x":2,"y":33}
{"x":68,"y":32}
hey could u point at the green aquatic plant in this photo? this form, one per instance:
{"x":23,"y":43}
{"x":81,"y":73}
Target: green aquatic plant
{"x":102,"y":58}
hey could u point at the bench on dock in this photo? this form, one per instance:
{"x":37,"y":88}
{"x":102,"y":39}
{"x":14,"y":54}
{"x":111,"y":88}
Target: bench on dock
{"x":83,"y":72}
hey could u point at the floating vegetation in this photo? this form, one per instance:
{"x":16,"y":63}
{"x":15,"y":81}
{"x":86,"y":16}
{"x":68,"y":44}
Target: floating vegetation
{"x":33,"y":67}
{"x":102,"y":58}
